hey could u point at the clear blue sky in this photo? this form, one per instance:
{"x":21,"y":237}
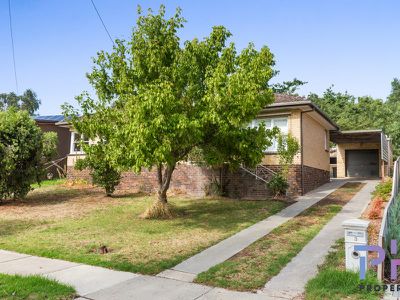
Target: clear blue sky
{"x":351,"y":44}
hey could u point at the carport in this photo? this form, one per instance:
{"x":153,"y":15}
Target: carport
{"x":362,"y":153}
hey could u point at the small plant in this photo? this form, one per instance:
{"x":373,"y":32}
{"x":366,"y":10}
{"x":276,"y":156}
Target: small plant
{"x":278,"y":185}
{"x":288,"y":147}
{"x":214,"y":188}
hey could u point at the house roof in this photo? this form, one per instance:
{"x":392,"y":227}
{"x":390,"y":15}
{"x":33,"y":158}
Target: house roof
{"x":291,"y":101}
{"x":49,"y":118}
{"x":285,"y":98}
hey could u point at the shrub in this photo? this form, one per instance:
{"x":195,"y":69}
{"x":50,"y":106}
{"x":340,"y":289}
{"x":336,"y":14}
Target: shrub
{"x":50,"y":140}
{"x":278,"y":185}
{"x":384,"y":189}
{"x":103,"y":172}
{"x":21,"y":153}
{"x":376,"y":209}
{"x":393,"y":230}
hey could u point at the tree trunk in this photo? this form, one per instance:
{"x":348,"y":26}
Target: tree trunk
{"x":164,"y":180}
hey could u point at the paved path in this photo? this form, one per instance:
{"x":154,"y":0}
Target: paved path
{"x":188,"y":269}
{"x":290,"y":282}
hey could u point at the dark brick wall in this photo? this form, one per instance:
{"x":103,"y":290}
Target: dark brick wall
{"x":313,"y":178}
{"x":186,"y":179}
{"x":240,"y":184}
{"x":193,"y":180}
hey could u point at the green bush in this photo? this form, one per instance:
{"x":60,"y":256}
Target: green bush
{"x":50,"y":141}
{"x":21,"y":154}
{"x":384,"y":189}
{"x":278,"y":184}
{"x":103,"y":172}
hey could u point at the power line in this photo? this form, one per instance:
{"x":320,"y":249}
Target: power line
{"x":12,"y":45}
{"x":102,"y":22}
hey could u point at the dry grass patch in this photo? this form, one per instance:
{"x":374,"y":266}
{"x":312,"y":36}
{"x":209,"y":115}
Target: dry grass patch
{"x":57,"y":202}
{"x":76,"y":223}
{"x":251,"y":268}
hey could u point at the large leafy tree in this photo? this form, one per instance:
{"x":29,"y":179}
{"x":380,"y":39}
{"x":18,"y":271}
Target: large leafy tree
{"x":158,"y":99}
{"x":28,"y":101}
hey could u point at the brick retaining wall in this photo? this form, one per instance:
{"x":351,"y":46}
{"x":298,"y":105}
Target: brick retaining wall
{"x":193,"y":180}
{"x":313,"y":178}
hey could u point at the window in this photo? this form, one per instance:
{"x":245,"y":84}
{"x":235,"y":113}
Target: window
{"x":280,"y":122}
{"x":76,"y":139}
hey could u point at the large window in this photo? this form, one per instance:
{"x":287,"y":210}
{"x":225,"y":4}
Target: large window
{"x":280,"y":122}
{"x":76,"y":140}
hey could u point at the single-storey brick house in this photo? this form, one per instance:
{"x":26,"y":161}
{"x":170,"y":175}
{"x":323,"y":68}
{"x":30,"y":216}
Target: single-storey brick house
{"x":291,"y":114}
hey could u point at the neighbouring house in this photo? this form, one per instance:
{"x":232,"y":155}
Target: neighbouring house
{"x":312,"y":166}
{"x":50,"y":123}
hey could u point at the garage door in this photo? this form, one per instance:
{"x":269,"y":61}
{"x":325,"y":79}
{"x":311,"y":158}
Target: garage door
{"x":362,"y":163}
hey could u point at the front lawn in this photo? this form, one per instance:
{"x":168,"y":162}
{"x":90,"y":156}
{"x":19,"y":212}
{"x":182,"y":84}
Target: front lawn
{"x":14,"y":287}
{"x":253,"y":267}
{"x":334,"y":282}
{"x":75,"y":223}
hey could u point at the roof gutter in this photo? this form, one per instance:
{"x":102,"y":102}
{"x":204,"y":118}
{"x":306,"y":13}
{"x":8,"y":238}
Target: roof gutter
{"x":302,"y":103}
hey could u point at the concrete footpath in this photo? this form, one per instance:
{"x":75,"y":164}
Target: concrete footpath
{"x":290,"y":282}
{"x":188,"y":269}
{"x":99,"y":283}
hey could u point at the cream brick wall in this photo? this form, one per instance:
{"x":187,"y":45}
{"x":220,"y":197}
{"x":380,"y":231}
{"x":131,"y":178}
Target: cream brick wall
{"x":341,"y":155}
{"x":72,"y":158}
{"x":294,"y":127}
{"x":314,"y":153}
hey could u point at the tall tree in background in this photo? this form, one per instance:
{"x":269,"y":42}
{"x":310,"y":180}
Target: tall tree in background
{"x":158,"y":100}
{"x":287,"y":87}
{"x":393,"y":115}
{"x":352,"y":113}
{"x":28,"y":101}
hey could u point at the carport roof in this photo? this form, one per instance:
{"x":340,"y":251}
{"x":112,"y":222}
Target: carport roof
{"x":356,"y":136}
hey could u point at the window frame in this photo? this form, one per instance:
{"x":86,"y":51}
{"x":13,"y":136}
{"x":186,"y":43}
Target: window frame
{"x":273,"y":149}
{"x":326,"y":141}
{"x":73,"y":143}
